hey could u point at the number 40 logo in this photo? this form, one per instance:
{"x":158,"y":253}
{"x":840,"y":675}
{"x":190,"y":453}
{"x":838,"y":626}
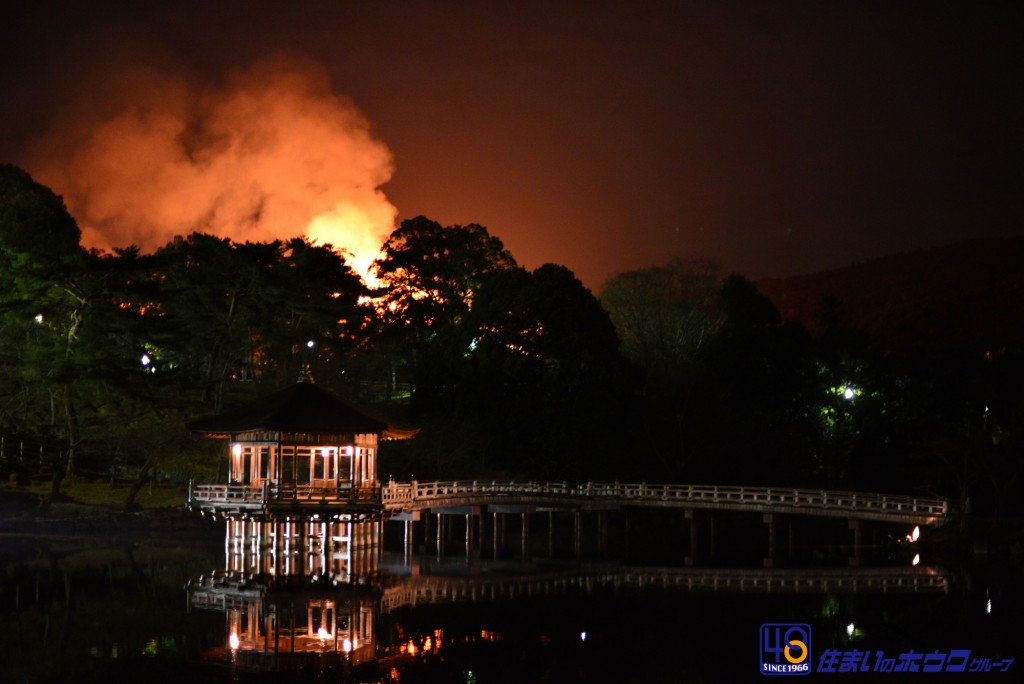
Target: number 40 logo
{"x":785,"y":649}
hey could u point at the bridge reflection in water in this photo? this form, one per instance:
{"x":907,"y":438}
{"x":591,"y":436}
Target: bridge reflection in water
{"x":311,"y":594}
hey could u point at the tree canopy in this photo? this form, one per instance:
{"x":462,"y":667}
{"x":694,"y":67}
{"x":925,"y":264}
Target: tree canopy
{"x":679,"y":373}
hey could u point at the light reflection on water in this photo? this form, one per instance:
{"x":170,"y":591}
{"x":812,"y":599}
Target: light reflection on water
{"x":329,"y":603}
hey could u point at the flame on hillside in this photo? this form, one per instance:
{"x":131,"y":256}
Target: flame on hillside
{"x":271,"y":153}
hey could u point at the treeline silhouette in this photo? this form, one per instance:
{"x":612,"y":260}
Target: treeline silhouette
{"x":675,"y":373}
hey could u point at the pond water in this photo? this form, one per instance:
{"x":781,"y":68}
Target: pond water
{"x":628,"y":601}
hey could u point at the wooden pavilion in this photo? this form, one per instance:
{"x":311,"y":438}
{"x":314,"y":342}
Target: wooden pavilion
{"x":297,"y":452}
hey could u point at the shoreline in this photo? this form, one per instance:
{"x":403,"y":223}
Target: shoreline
{"x":22,"y":513}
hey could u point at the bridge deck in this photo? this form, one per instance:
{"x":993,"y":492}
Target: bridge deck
{"x":402,"y":498}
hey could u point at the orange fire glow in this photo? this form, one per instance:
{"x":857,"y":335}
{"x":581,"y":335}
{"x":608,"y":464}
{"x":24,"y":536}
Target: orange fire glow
{"x":272,"y":153}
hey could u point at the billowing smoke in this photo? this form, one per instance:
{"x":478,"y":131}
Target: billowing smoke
{"x":272,"y":152}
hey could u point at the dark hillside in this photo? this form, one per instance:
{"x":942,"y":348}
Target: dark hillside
{"x":964,"y":296}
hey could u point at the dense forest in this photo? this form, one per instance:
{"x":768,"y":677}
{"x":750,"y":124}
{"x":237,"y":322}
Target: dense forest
{"x":674,"y":373}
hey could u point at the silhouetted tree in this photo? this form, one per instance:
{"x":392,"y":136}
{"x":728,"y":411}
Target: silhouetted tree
{"x":544,"y":360}
{"x":764,"y":371}
{"x":430,"y":275}
{"x":45,"y":292}
{"x":665,"y":318}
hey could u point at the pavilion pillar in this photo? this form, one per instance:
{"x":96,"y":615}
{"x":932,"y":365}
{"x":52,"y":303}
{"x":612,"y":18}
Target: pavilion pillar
{"x":274,"y":537}
{"x":303,"y":544}
{"x":407,"y":539}
{"x":227,"y":545}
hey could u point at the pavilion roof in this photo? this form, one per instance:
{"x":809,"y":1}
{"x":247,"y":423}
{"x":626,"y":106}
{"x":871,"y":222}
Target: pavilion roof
{"x":300,"y":408}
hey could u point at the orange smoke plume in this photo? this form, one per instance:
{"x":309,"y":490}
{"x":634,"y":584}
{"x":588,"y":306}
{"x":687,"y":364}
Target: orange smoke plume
{"x":271,"y":153}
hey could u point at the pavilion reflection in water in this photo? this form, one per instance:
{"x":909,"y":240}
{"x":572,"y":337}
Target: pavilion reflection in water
{"x":311,"y":594}
{"x":295,"y":594}
{"x":303,"y":512}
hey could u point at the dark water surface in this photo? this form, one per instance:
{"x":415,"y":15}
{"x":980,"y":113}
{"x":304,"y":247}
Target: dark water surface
{"x":631,"y":608}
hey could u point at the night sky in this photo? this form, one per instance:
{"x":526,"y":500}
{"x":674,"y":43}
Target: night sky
{"x":776,"y":138}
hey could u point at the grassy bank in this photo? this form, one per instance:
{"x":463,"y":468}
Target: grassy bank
{"x":95,"y":510}
{"x":83,"y":497}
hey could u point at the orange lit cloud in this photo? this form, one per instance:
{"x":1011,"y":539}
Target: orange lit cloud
{"x":272,"y":152}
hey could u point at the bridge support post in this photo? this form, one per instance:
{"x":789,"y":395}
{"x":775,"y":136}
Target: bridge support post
{"x":578,"y":532}
{"x":410,"y":530}
{"x":625,"y":524}
{"x":426,"y":530}
{"x":525,"y":519}
{"x":481,"y":528}
{"x":551,"y":534}
{"x":440,"y":535}
{"x":500,"y":533}
{"x":857,"y":527}
{"x":495,"y":534}
{"x":770,"y":520}
{"x":691,"y":515}
{"x":602,"y":532}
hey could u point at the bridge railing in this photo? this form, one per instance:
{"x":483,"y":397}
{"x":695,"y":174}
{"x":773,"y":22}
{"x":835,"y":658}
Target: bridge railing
{"x":399,"y":495}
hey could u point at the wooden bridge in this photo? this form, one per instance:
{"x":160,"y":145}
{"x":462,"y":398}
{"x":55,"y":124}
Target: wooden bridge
{"x":402,"y":499}
{"x":405,"y":500}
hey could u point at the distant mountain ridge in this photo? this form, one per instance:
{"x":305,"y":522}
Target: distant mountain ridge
{"x":967,"y":296}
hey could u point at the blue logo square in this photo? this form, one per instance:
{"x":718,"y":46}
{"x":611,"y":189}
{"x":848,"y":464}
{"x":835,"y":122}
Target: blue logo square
{"x":785,"y":649}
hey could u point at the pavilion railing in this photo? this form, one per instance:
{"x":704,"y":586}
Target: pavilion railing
{"x":257,"y":495}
